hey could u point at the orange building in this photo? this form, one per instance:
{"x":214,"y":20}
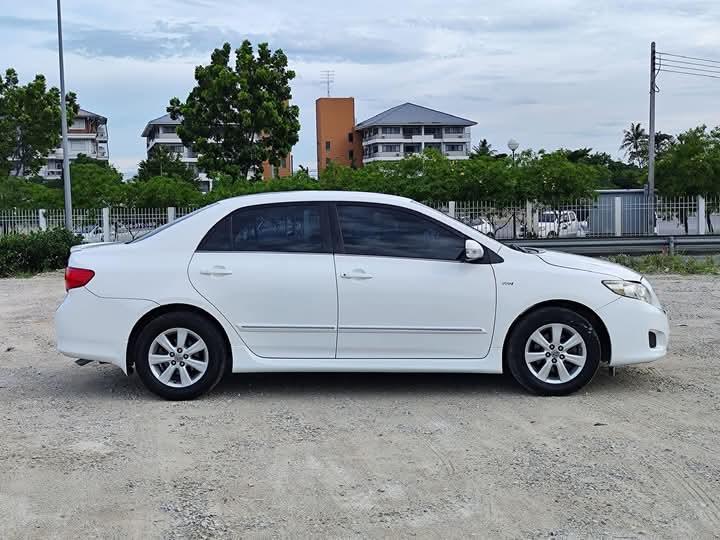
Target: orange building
{"x":285,"y":168}
{"x":337,"y":140}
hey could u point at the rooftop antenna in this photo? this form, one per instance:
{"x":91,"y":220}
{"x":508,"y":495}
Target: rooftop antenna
{"x":328,"y":77}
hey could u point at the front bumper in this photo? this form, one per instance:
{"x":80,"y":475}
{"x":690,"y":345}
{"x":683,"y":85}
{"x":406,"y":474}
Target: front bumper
{"x":94,"y":328}
{"x":629,"y":323}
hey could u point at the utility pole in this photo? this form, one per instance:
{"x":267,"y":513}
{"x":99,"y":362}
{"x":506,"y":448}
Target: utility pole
{"x":651,"y":135}
{"x":651,"y":139}
{"x":64,"y":128}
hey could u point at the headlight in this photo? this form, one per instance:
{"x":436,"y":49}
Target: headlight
{"x":630,"y":289}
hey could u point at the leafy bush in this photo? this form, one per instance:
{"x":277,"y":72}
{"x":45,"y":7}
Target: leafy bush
{"x":668,"y":264}
{"x":35,"y":252}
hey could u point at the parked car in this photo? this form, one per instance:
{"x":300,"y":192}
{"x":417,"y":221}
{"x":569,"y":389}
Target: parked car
{"x":552,"y":224}
{"x":484,"y":226}
{"x":342,"y":281}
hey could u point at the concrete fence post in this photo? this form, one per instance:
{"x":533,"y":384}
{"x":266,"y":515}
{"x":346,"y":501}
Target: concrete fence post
{"x":618,"y":216}
{"x":529,"y":219}
{"x":42,"y":219}
{"x":170,"y":214}
{"x":451,"y":209}
{"x":701,"y":214}
{"x":106,"y":224}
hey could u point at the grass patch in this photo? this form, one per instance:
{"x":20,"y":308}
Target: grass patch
{"x":668,"y":264}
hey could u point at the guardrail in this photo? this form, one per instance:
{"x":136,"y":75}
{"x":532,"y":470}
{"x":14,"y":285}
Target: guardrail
{"x":640,"y":245}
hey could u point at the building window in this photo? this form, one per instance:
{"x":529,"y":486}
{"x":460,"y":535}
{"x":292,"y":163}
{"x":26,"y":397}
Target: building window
{"x":410,"y":131}
{"x":392,"y":130}
{"x":434,"y":146}
{"x":434,"y":131}
{"x":327,"y":146}
{"x":374,"y":131}
{"x":455,"y":130}
{"x":351,"y":155}
{"x":374,"y":148}
{"x":327,"y":161}
{"x":391,"y":148}
{"x":350,"y":137}
{"x":78,"y":123}
{"x":454,"y":147}
{"x":168,"y":129}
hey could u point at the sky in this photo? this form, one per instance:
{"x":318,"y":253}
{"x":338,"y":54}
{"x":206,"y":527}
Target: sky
{"x":549,"y":74}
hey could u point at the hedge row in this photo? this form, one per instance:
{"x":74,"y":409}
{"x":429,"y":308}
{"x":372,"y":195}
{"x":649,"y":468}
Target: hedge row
{"x":35,"y":252}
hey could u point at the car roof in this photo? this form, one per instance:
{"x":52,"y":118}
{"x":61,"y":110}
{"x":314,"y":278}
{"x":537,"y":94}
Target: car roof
{"x":319,"y":195}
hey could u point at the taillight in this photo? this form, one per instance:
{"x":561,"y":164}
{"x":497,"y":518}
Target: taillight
{"x":77,"y":277}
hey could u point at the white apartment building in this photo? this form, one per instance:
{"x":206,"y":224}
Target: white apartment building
{"x":86,"y":135}
{"x":163,"y":132}
{"x":410,"y":129}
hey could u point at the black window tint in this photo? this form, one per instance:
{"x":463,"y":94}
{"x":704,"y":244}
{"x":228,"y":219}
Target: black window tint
{"x":286,"y":228}
{"x":388,"y":232}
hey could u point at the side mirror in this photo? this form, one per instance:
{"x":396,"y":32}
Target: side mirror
{"x":473,"y":250}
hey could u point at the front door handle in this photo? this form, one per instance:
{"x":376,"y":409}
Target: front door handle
{"x":356,"y":274}
{"x":216,"y":271}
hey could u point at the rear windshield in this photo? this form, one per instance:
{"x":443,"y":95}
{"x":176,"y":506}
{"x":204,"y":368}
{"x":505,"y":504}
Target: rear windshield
{"x":168,"y":225}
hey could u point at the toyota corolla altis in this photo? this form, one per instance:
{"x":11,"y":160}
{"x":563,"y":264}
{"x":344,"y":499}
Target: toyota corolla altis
{"x":342,"y":281}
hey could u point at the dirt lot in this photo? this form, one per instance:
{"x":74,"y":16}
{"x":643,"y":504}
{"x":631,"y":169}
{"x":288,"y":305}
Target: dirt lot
{"x":87,"y":452}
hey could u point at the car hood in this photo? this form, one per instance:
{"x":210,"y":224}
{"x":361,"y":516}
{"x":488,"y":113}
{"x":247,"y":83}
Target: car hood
{"x":587,"y":264}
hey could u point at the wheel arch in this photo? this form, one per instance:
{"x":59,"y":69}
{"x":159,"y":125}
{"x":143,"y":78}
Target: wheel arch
{"x":582,"y":309}
{"x":172,"y":308}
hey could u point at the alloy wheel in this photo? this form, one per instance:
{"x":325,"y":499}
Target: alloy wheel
{"x":555,"y":353}
{"x":178,"y":357}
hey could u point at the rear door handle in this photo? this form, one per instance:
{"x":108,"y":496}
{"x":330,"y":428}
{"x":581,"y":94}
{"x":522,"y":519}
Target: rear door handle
{"x":356,"y":274}
{"x":216,"y":271}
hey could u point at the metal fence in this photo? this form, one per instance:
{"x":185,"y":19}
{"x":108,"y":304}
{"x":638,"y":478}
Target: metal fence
{"x":609,"y":215}
{"x":612,"y":214}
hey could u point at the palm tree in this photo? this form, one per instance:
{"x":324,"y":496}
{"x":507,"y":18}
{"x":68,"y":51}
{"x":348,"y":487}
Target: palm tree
{"x":483,"y":148}
{"x":634,"y":139}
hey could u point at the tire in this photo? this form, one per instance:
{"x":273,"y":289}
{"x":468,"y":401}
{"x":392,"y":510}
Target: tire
{"x":552,"y":234}
{"x":553,"y":368}
{"x":189,"y":375}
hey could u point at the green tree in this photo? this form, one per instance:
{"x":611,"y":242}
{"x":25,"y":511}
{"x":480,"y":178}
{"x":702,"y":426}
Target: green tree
{"x":552,"y":178}
{"x":161,"y":192}
{"x":96,"y":185}
{"x":16,"y":192}
{"x":162,"y":162}
{"x":483,"y":148}
{"x":634,"y":144}
{"x":691,"y":167}
{"x":29,"y":123}
{"x":238,"y":116}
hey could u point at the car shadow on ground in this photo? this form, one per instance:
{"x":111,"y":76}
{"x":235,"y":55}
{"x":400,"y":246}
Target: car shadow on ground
{"x":108,"y":382}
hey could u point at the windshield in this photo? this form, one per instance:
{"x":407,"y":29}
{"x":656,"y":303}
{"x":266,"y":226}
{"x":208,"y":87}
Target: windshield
{"x":168,"y":225}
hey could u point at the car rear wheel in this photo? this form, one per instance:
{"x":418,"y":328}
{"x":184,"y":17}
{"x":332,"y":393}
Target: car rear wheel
{"x":553,"y":351}
{"x":180,"y":356}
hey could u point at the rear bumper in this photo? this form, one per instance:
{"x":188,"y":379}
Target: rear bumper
{"x":94,"y":328}
{"x":629,"y":323}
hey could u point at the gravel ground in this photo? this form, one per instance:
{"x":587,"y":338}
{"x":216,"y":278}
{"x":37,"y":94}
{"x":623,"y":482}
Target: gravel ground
{"x":87,"y":452}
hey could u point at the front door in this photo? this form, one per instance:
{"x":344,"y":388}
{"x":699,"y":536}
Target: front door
{"x":269,"y":269}
{"x":403,"y":290}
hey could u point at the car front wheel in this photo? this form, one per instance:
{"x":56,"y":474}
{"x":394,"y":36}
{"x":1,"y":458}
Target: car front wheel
{"x":553,"y":351}
{"x":180,"y":356}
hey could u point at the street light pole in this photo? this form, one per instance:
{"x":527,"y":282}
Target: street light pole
{"x":64,"y":127}
{"x":513,"y":145}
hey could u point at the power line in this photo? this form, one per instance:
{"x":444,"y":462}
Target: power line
{"x":686,"y":73}
{"x":660,"y":56}
{"x":688,"y":68}
{"x":690,"y":57}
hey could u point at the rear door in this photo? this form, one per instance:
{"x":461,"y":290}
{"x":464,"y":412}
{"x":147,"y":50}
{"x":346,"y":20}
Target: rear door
{"x":269,"y":269}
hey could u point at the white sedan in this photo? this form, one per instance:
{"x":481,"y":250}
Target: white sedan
{"x":341,"y":281}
